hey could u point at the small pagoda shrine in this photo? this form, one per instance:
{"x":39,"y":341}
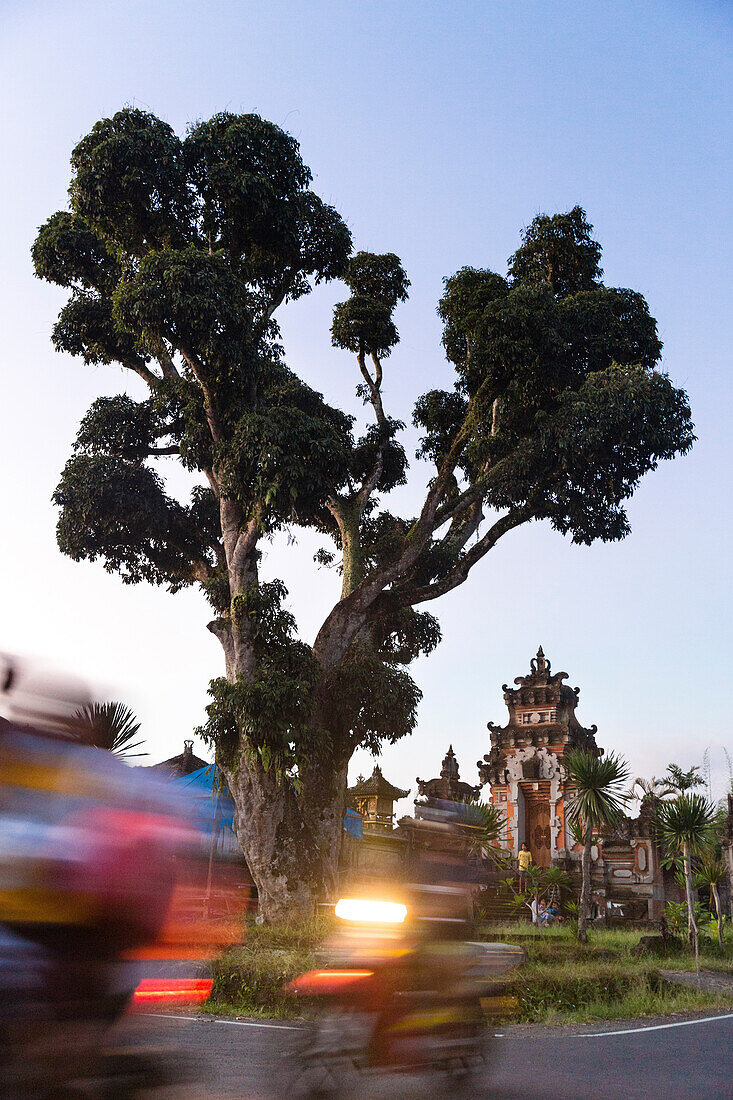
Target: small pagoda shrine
{"x":525,"y":769}
{"x":374,"y":799}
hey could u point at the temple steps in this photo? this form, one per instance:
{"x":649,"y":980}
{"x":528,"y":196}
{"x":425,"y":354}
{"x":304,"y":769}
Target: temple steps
{"x":497,"y":905}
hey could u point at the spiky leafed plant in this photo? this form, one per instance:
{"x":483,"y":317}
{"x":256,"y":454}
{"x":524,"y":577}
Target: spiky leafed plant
{"x":484,"y":823}
{"x":711,"y":871}
{"x":687,"y":828}
{"x":110,"y":726}
{"x":597,"y":802}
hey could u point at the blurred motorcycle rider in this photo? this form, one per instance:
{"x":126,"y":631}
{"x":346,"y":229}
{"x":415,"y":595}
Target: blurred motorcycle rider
{"x":85,"y":874}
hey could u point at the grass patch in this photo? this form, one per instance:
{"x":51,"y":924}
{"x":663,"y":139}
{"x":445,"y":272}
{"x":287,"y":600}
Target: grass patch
{"x":562,"y":982}
{"x":567,"y":982}
{"x":574,"y":991}
{"x":250,"y":980}
{"x":637,"y":1001}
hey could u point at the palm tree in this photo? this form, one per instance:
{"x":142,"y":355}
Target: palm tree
{"x":649,"y":788}
{"x":710,"y":872}
{"x":110,"y":726}
{"x":649,"y":793}
{"x":681,"y":781}
{"x":687,"y":828}
{"x":596,"y":802}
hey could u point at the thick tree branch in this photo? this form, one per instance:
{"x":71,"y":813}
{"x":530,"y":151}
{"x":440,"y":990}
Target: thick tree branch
{"x":163,"y":356}
{"x":212,"y":480}
{"x":464,"y":526}
{"x":458,"y":574}
{"x":374,"y":386}
{"x":212,"y":415}
{"x":156,"y":451}
{"x":351,"y":612}
{"x":145,"y":373}
{"x":246,"y":542}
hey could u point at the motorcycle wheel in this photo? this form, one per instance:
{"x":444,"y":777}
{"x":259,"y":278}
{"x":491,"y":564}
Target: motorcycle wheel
{"x":327,"y":1058}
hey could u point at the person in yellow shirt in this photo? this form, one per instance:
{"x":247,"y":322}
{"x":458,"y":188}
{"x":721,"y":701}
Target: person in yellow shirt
{"x":525,"y":862}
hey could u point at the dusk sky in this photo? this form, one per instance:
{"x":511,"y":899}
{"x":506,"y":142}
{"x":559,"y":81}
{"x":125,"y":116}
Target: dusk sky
{"x":438,"y":130}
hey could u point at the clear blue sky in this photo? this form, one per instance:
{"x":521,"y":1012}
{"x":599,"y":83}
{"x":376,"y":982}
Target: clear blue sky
{"x":438,"y":130}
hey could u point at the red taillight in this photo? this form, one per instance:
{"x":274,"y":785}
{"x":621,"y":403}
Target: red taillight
{"x":327,"y":981}
{"x":172,"y":991}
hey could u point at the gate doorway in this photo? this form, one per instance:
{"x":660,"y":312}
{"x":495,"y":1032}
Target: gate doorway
{"x":537,"y":826}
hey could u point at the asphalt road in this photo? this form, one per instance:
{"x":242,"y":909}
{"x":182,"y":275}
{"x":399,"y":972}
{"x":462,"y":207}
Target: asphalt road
{"x":660,"y":1060}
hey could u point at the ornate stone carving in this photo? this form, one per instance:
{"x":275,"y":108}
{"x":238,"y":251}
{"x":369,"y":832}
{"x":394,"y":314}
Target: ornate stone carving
{"x":449,"y":785}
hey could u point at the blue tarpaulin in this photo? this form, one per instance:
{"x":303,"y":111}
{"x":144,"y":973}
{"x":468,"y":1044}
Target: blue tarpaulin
{"x":211,"y":802}
{"x":353,"y":824}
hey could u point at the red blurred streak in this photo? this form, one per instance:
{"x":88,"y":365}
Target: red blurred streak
{"x":173,"y":991}
{"x":327,"y":981}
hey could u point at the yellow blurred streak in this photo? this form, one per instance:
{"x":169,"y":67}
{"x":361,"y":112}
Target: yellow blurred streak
{"x":40,"y":905}
{"x":429,"y":1019}
{"x":51,"y":778}
{"x":500,"y":1004}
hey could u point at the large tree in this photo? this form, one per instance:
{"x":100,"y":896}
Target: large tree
{"x":178,"y":254}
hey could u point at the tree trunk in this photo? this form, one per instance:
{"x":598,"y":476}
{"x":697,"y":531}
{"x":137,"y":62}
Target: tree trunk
{"x":584,"y":904}
{"x":290,"y":828}
{"x":718,"y":911}
{"x":291,"y":838}
{"x":691,"y":924}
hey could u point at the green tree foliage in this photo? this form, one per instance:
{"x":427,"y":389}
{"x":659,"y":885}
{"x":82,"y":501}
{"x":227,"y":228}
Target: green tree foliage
{"x":178,"y":254}
{"x":596,"y":803}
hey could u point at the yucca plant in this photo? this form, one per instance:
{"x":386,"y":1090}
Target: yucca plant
{"x":110,"y":726}
{"x":484,"y":824}
{"x":711,"y":871}
{"x":596,"y":802}
{"x":687,"y":829}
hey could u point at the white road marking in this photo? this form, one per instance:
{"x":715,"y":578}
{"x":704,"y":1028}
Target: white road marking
{"x":654,"y":1027}
{"x":167,"y":1016}
{"x":251,"y":1023}
{"x":215,"y":1020}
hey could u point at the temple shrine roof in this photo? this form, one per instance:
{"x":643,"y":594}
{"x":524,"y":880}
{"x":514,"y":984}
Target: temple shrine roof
{"x":449,"y":785}
{"x":183,"y":764}
{"x":377,"y":785}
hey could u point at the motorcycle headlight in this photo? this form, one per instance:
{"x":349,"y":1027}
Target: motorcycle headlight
{"x":371,"y":911}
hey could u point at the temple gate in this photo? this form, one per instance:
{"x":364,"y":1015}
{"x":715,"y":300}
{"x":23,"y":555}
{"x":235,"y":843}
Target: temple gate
{"x":524,"y":767}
